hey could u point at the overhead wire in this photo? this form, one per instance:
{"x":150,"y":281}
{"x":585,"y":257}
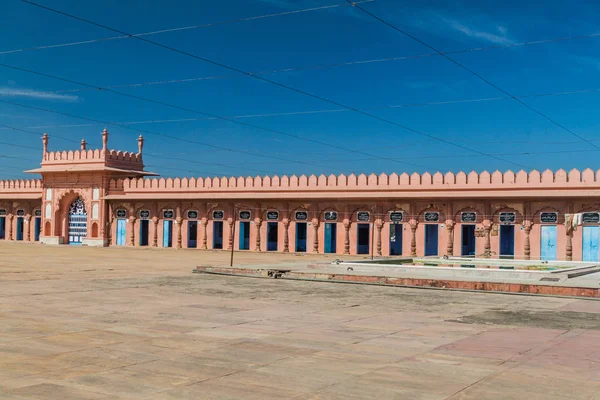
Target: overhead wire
{"x":469,"y":70}
{"x":278,"y":84}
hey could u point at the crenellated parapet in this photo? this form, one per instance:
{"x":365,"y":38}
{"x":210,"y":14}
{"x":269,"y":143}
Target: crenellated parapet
{"x":19,"y":185}
{"x":512,"y":183}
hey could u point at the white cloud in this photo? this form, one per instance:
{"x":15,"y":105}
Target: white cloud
{"x":35,"y":94}
{"x":498,"y":37}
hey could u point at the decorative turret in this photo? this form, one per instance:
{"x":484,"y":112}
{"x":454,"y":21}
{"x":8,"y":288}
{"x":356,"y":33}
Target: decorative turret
{"x":45,"y":143}
{"x":140,"y":144}
{"x":83,"y":145}
{"x":104,"y":140}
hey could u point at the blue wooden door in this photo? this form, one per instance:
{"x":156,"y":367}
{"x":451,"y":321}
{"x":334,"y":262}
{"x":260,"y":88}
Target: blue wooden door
{"x":144,"y":232}
{"x":548,"y":242}
{"x":590,"y":243}
{"x":362,"y":240}
{"x":272,"y":236}
{"x":301,"y":237}
{"x":395,"y":239}
{"x":431,"y":239}
{"x":121,"y":229}
{"x":192,"y":234}
{"x":2,"y":227}
{"x":507,"y":240}
{"x":167,"y":233}
{"x":244,"y":235}
{"x":20,"y":228}
{"x":37,"y":228}
{"x":330,"y":237}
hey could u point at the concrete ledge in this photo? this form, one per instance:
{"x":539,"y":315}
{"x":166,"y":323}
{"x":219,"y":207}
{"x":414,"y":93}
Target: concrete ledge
{"x":94,"y":242}
{"x":504,"y":287}
{"x":52,"y":240}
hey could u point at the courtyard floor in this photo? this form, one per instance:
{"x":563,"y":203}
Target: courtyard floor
{"x":121,"y":323}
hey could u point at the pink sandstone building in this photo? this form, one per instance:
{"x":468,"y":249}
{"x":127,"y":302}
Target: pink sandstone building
{"x":105,"y":197}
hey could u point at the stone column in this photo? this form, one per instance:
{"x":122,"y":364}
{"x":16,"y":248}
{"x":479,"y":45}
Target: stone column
{"x":10,"y":218}
{"x":204,"y":222}
{"x":179,"y":222}
{"x":132,"y":234}
{"x":315,"y":224}
{"x":379,"y":225}
{"x":347,"y":224}
{"x":569,"y":246}
{"x":230,"y":222}
{"x":450,"y":244}
{"x":257,"y":223}
{"x":527,"y":226}
{"x":487,"y":227}
{"x":286,"y":237}
{"x":155,"y":232}
{"x":413,"y":240}
{"x":27,"y":227}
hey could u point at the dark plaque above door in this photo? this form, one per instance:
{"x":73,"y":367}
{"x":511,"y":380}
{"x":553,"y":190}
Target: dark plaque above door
{"x":168,"y":214}
{"x":508,"y":217}
{"x":468,"y":216}
{"x":121,"y":213}
{"x":396,"y":216}
{"x":2,"y":212}
{"x":431,"y":216}
{"x":218,"y":214}
{"x":272,"y":215}
{"x":192,"y":214}
{"x":37,"y":213}
{"x":144,"y":214}
{"x":363,"y":216}
{"x":330,"y":216}
{"x":20,"y":213}
{"x":549,"y":217}
{"x":244,"y":214}
{"x":301,"y":215}
{"x":591,"y":218}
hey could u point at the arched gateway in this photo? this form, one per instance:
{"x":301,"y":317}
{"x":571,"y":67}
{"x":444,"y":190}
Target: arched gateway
{"x":77,"y":221}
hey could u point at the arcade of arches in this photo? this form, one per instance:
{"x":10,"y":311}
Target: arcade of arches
{"x":105,"y":197}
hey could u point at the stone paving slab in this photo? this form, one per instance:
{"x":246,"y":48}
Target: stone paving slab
{"x":79,"y":323}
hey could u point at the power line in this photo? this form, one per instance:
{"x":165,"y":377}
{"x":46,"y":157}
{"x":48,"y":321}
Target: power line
{"x":234,"y":69}
{"x":178,"y":29}
{"x":277,"y":132}
{"x":472,"y":72}
{"x":33,"y":133}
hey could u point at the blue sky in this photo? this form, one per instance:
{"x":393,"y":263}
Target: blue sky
{"x":327,"y":36}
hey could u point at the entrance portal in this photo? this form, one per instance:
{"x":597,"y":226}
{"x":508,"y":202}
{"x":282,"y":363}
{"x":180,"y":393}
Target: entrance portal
{"x":20,"y":221}
{"x":217,"y":234}
{"x":590,"y":243}
{"x":548,"y":242}
{"x":300,"y":237}
{"x":395,"y":239}
{"x":431,"y":239}
{"x":363,"y":239}
{"x":244,"y":235}
{"x":330,"y":237}
{"x":468,"y":240}
{"x":121,"y":231}
{"x":77,"y":221}
{"x":272,"y":235}
{"x":507,"y":241}
{"x":192,"y":234}
{"x":144,"y":227}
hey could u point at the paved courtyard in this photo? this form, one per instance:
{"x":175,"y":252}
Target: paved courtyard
{"x":84,"y":323}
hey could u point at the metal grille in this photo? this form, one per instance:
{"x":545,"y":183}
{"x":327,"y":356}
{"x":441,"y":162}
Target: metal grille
{"x":77,"y":221}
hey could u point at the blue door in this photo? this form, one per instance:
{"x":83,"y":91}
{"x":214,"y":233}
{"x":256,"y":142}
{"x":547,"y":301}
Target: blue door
{"x":2,"y":227}
{"x":590,"y":243}
{"x":167,"y":233}
{"x":362,"y":242}
{"x":431,"y":240}
{"x":507,"y":241}
{"x":468,"y":240}
{"x":19,"y":228}
{"x":192,"y":234}
{"x":37,"y":229}
{"x":395,"y":239}
{"x":244,"y":235}
{"x":121,"y":229}
{"x":217,"y":234}
{"x":300,"y":237}
{"x":548,"y":242}
{"x":330,"y":237}
{"x":272,"y":236}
